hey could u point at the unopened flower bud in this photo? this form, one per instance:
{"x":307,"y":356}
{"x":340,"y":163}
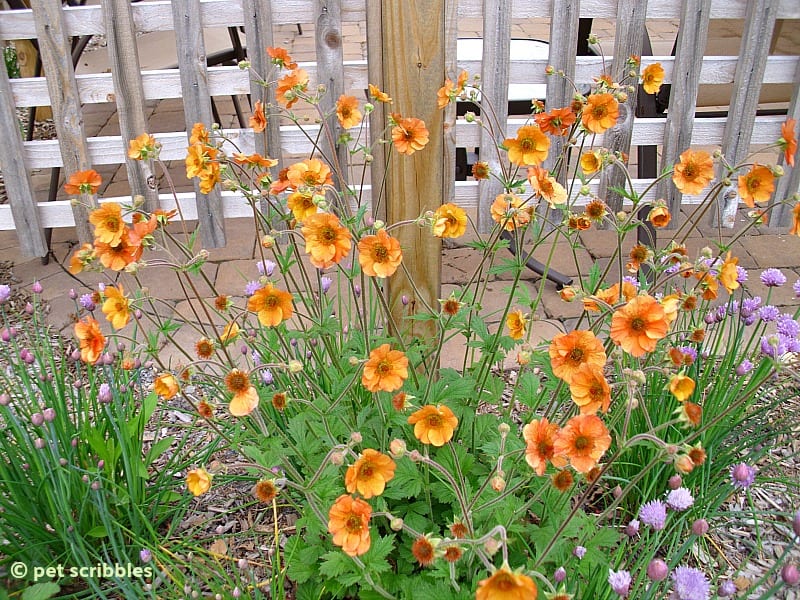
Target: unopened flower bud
{"x":657,"y":570}
{"x":356,"y":437}
{"x":503,"y":428}
{"x":491,"y":546}
{"x":617,"y":492}
{"x":632,"y":528}
{"x":267,"y":241}
{"x":39,"y":443}
{"x":337,"y":458}
{"x":498,"y":484}
{"x":397,"y":448}
{"x":469,"y":117}
{"x":790,"y":575}
{"x":295,"y":366}
{"x":353,"y":361}
{"x":242,"y":564}
{"x":379,"y":224}
{"x":404,"y":300}
{"x":36,"y":288}
{"x":415,"y":456}
{"x":37,"y":419}
{"x":396,"y":524}
{"x":5,"y":399}
{"x":700,"y":527}
{"x":621,"y":215}
{"x":675,"y":482}
{"x":49,"y":415}
{"x":560,"y":575}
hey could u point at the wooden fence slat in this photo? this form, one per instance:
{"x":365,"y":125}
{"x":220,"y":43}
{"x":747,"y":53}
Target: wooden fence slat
{"x":628,"y":40}
{"x":129,"y":96}
{"x":56,"y":55}
{"x":683,"y":94}
{"x":330,"y":73}
{"x":789,"y":184}
{"x":758,"y":27}
{"x":449,"y":112}
{"x":377,"y":118}
{"x":414,"y":61}
{"x":16,"y":177}
{"x":494,"y":90}
{"x":197,"y":107}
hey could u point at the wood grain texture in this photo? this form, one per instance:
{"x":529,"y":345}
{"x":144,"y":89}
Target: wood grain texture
{"x":494,"y":90}
{"x":377,"y":118}
{"x":197,"y":107}
{"x":758,"y":26}
{"x":129,"y":96}
{"x":414,"y":68}
{"x":789,"y":184}
{"x":16,"y":178}
{"x":627,"y":41}
{"x":56,"y":55}
{"x":683,"y":94}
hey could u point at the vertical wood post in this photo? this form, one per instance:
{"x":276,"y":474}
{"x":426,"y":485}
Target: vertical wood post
{"x":789,"y":184}
{"x":759,"y":22}
{"x":495,"y":65}
{"x":692,"y":35}
{"x":197,"y":107}
{"x":56,"y":55}
{"x":123,"y":56}
{"x":17,"y":180}
{"x":414,"y":68}
{"x":377,"y":118}
{"x":627,"y":41}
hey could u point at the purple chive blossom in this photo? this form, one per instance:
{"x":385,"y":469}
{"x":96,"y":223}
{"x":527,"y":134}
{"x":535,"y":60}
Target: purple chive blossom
{"x":790,"y":575}
{"x":36,"y":288}
{"x":104,"y":393}
{"x":750,"y":306}
{"x":654,"y":514}
{"x":266,"y":267}
{"x":620,"y":582}
{"x":773,"y":278}
{"x":792,"y":345}
{"x":768,"y":313}
{"x":733,"y":307}
{"x":721,"y":312}
{"x":742,"y":475}
{"x":773,"y":346}
{"x":266,"y":377}
{"x":795,"y":287}
{"x":632,"y":528}
{"x":632,"y":280}
{"x":579,"y":551}
{"x":252,"y":287}
{"x":690,"y":584}
{"x":672,"y":269}
{"x":86,"y":302}
{"x":741,"y":274}
{"x":560,"y":575}
{"x":325,"y":284}
{"x":680,"y":499}
{"x":145,"y":555}
{"x":5,"y":293}
{"x":787,"y":326}
{"x":744,"y":367}
{"x":726,"y":588}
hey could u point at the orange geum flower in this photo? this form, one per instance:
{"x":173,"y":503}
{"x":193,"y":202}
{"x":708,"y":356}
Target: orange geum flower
{"x":600,"y":113}
{"x":109,"y":227}
{"x":258,"y":121}
{"x":199,"y":135}
{"x":200,"y":160}
{"x":119,"y":256}
{"x":347,"y":111}
{"x":265,"y":490}
{"x":757,"y":185}
{"x":143,"y":147}
{"x":682,"y":387}
{"x":510,"y":211}
{"x":517,"y":324}
{"x":204,"y":348}
{"x":244,"y":402}
{"x":311,"y":172}
{"x":290,"y":85}
{"x":690,"y":413}
{"x":272,"y":305}
{"x":449,"y":221}
{"x":540,"y":437}
{"x":481,"y":170}
{"x":590,"y":390}
{"x":230,"y":332}
{"x":302,"y":205}
{"x":583,"y":440}
{"x":555,"y":122}
{"x":254,"y":160}
{"x":694,"y":171}
{"x":115,"y":307}
{"x":91,"y":339}
{"x":166,"y":386}
{"x":729,"y":274}
{"x":639,"y":325}
{"x":81,"y":258}
{"x":788,"y":141}
{"x":198,"y":481}
{"x":568,"y":351}
{"x":653,"y":78}
{"x":591,"y":162}
{"x":424,"y":550}
{"x":546,"y":186}
{"x":379,"y":255}
{"x":409,"y":134}
{"x":505,"y":584}
{"x":530,"y":147}
{"x":385,"y":370}
{"x":562,"y":480}
{"x":639,"y":254}
{"x":434,"y":424}
{"x":83,"y":182}
{"x":369,"y":474}
{"x":348,"y":522}
{"x":377,"y":94}
{"x":279,"y":56}
{"x":795,"y":230}
{"x":708,"y":284}
{"x":659,"y":216}
{"x":327,"y":241}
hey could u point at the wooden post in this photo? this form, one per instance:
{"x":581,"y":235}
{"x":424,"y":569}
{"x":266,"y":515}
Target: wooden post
{"x":628,"y":41}
{"x":414,"y":68}
{"x":683,"y":95}
{"x":377,"y":118}
{"x":17,"y":180}
{"x":197,"y":107}
{"x":123,"y":56}
{"x":759,"y":21}
{"x":789,"y":184}
{"x":495,"y":65}
{"x":67,"y":115}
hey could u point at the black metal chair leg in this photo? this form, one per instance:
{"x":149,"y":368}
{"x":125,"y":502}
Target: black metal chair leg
{"x":534,"y":265}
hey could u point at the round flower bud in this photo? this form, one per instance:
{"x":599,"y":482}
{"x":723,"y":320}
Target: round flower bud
{"x":337,"y":458}
{"x":675,"y":482}
{"x":560,"y":575}
{"x":700,"y":527}
{"x":796,"y":523}
{"x":657,"y":570}
{"x":49,"y":415}
{"x":396,"y":524}
{"x":39,"y":443}
{"x":295,"y":366}
{"x":37,"y":419}
{"x":503,"y":428}
{"x":356,"y":437}
{"x":397,"y":448}
{"x":491,"y":546}
{"x":63,"y":461}
{"x":790,"y":575}
{"x":498,"y":484}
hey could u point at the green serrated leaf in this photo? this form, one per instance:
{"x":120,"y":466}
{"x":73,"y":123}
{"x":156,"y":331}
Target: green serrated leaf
{"x":335,"y":564}
{"x":41,"y":591}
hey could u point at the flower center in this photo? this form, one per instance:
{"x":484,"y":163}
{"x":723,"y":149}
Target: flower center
{"x":380,"y":253}
{"x":434,"y":421}
{"x":637,"y":324}
{"x":581,"y":442}
{"x":690,"y":171}
{"x":384,"y":367}
{"x":576,"y":355}
{"x":271,"y":301}
{"x":366,"y":470}
{"x":353,"y":524}
{"x":544,"y":448}
{"x":527,"y":144}
{"x":599,"y":111}
{"x":327,"y":234}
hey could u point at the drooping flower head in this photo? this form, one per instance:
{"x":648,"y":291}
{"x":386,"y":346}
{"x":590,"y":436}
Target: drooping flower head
{"x":434,"y":425}
{"x":279,"y":56}
{"x":369,"y":474}
{"x":557,"y":121}
{"x":143,"y":147}
{"x":517,"y":323}
{"x":166,"y":386}
{"x":449,"y":221}
{"x":385,"y":370}
{"x":115,"y":306}
{"x":510,"y":211}
{"x":198,"y":481}
{"x":258,"y":121}
{"x":788,"y":141}
{"x":109,"y":227}
{"x":348,"y":522}
{"x":652,"y":78}
{"x":83,"y":182}
{"x":505,"y":584}
{"x":546,"y":186}
{"x":590,"y":390}
{"x":91,"y":339}
{"x":376,"y":94}
{"x":290,"y":85}
{"x":682,"y":387}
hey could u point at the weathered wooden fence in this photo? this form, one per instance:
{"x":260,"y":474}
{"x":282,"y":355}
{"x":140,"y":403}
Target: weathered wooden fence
{"x":409,"y":61}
